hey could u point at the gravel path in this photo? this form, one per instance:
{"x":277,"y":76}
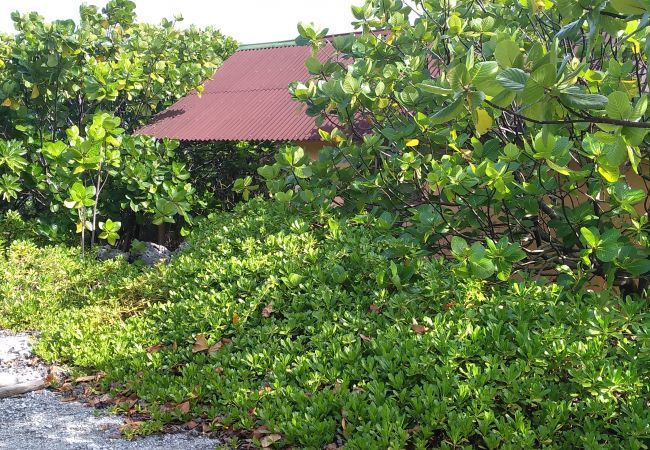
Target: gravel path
{"x":41,"y":420}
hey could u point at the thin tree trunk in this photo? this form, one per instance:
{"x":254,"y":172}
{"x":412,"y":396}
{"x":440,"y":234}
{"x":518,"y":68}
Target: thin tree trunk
{"x":97,"y":189}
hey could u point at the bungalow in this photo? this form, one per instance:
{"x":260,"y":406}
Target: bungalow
{"x":247,"y":99}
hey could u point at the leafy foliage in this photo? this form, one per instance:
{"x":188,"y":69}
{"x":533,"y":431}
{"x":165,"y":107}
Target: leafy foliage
{"x":313,"y":329}
{"x":72,"y":93}
{"x":524,"y":120}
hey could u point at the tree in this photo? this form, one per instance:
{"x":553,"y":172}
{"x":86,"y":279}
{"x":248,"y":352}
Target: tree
{"x":503,"y":134}
{"x":71,"y":95}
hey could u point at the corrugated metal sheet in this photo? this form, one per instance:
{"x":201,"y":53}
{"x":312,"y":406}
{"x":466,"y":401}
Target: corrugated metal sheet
{"x":247,"y":99}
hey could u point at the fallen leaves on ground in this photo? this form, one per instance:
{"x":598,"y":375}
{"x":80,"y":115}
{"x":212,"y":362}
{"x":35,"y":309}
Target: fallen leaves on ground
{"x":268,"y":310}
{"x":419,"y":329}
{"x":201,"y":344}
{"x":184,"y":407}
{"x":269,"y":440}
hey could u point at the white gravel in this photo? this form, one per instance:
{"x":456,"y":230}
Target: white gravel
{"x":41,"y":420}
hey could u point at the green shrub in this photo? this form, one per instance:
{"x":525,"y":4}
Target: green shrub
{"x":520,"y":127}
{"x":324,"y":329}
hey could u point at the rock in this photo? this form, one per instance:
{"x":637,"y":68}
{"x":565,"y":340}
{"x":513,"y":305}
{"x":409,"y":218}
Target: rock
{"x":181,"y":248}
{"x":152,"y":253}
{"x":7,"y":379}
{"x":107,"y":252}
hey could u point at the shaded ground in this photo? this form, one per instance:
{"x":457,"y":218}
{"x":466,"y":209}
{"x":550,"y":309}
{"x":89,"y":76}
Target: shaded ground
{"x":42,"y":420}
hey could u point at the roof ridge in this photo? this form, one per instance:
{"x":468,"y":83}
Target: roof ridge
{"x":288,"y":43}
{"x":272,"y":44}
{"x":246,"y":90}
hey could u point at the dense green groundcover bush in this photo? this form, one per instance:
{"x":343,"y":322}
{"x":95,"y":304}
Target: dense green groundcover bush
{"x":327,"y":331}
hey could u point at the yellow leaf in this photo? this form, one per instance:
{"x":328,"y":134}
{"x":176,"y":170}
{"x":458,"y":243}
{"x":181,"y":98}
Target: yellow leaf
{"x":79,"y":227}
{"x":7,"y":102}
{"x":483,"y":121}
{"x":412,"y":143}
{"x":35,"y":92}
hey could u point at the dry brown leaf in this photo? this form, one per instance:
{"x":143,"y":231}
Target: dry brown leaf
{"x":218,"y":370}
{"x":269,"y":440}
{"x":265,"y":390}
{"x":201,"y":344}
{"x":235,"y":318}
{"x":268,"y":310}
{"x":205,"y":428}
{"x":374,"y":308}
{"x":419,"y":329}
{"x":191,"y":425}
{"x":132,"y":399}
{"x":174,"y":346}
{"x":365,"y":338}
{"x":131,"y":426}
{"x":68,"y":399}
{"x":344,"y":424}
{"x":154,"y":348}
{"x":260,"y":431}
{"x":184,"y":407}
{"x":215,"y":348}
{"x":167,"y":407}
{"x":415,"y":429}
{"x":449,"y":306}
{"x":86,"y":379}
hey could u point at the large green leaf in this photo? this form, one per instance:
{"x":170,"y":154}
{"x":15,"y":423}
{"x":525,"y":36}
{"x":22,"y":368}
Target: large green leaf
{"x":449,"y":112}
{"x":513,"y":79}
{"x":630,"y":6}
{"x":618,"y":106}
{"x":507,"y":54}
{"x":575,"y":99}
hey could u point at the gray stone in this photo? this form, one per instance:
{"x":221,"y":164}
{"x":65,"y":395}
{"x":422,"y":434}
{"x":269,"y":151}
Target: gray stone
{"x":181,"y":248}
{"x":152,"y":254}
{"x":107,"y":252}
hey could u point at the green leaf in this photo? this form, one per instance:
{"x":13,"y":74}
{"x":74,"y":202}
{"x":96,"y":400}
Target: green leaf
{"x":303,"y":172}
{"x":351,"y":85}
{"x":458,"y":245}
{"x":618,"y":106}
{"x":483,"y":71}
{"x":482,"y":268}
{"x":447,"y":113}
{"x":507,"y":54}
{"x":313,"y":65}
{"x":545,"y":75}
{"x":637,"y":267}
{"x":513,"y":79}
{"x":630,"y":6}
{"x":430,"y":87}
{"x":578,"y":100}
{"x":591,"y":237}
{"x":533,"y":92}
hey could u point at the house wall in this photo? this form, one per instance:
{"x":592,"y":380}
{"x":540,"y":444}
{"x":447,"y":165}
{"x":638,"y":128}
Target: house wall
{"x":311,"y":147}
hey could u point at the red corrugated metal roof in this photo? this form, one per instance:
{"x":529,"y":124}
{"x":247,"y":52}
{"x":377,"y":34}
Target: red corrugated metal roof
{"x":247,"y":99}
